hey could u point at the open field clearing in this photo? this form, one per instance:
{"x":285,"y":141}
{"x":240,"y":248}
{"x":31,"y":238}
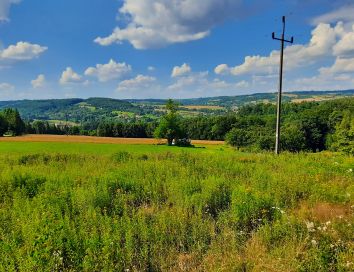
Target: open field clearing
{"x":91,"y":139}
{"x":103,"y":207}
{"x":203,"y":107}
{"x":314,"y":99}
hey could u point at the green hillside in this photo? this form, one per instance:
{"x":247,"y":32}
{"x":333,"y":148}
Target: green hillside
{"x":95,"y":109}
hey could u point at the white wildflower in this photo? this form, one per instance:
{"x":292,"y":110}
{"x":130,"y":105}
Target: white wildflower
{"x":310,"y":226}
{"x":314,"y":242}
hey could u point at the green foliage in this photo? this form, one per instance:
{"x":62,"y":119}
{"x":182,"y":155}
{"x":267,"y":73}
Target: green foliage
{"x":305,"y":127}
{"x":343,"y":138}
{"x":293,"y":138}
{"x":239,"y":137}
{"x":170,"y":124}
{"x":11,"y":122}
{"x":3,"y":124}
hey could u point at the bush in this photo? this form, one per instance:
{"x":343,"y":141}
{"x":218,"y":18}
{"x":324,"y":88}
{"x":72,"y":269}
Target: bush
{"x":183,"y":142}
{"x":238,"y":137}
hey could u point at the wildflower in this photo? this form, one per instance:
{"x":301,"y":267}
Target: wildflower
{"x":310,"y":226}
{"x":350,"y":170}
{"x":314,"y":242}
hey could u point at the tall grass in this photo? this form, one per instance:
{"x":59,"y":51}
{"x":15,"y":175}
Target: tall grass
{"x":175,"y":210}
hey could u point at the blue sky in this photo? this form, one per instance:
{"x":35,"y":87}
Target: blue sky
{"x":171,"y":48}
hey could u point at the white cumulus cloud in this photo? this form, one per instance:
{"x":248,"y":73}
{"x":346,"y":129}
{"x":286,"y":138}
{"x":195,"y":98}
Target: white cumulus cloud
{"x":39,"y":82}
{"x":157,"y":23}
{"x":139,"y":83}
{"x":324,"y":38}
{"x":69,"y":76}
{"x":111,"y":70}
{"x":341,"y":65}
{"x":345,"y":46}
{"x":222,"y":69}
{"x":182,"y":70}
{"x":22,"y":51}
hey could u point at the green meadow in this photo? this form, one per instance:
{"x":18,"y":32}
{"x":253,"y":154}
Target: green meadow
{"x":106,"y":207}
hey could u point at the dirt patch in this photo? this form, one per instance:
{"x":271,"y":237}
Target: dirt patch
{"x":324,"y":211}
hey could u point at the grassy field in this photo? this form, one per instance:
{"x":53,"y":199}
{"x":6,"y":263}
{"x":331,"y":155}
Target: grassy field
{"x":125,"y":207}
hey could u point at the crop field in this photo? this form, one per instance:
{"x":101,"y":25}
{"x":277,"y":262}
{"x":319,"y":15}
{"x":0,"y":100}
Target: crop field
{"x":93,"y":139}
{"x":202,"y":107}
{"x":79,"y":206}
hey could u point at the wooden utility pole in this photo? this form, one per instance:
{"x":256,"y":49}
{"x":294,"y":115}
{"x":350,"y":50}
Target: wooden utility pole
{"x":283,"y":41}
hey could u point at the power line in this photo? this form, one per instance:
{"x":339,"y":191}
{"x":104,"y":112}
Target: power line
{"x":283,"y":41}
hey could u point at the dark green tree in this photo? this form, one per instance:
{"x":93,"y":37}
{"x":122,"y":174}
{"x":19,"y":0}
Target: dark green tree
{"x":15,"y":124}
{"x":238,"y":137}
{"x":3,"y":125}
{"x":343,"y":138}
{"x":293,"y":138}
{"x":170,"y":124}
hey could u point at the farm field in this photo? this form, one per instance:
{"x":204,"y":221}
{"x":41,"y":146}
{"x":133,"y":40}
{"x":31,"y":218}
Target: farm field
{"x":92,"y":139}
{"x":80,"y":206}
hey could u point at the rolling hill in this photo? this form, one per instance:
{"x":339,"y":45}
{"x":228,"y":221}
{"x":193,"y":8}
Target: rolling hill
{"x":93,"y":109}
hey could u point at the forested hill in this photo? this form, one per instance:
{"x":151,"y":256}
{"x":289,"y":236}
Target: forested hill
{"x":91,"y":110}
{"x":74,"y":109}
{"x":240,"y":100}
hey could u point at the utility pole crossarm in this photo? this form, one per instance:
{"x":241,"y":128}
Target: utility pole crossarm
{"x":283,"y":41}
{"x":288,"y":41}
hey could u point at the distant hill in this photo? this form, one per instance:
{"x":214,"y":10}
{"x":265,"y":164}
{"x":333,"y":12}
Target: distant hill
{"x":239,"y":100}
{"x":94,"y":109}
{"x":74,"y":109}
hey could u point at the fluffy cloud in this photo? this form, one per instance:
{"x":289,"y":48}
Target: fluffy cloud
{"x":22,"y":51}
{"x":324,"y":37}
{"x":138,"y":83}
{"x":157,"y":23}
{"x":5,"y":8}
{"x":222,"y":69}
{"x":39,"y":82}
{"x":111,"y":70}
{"x":69,"y":76}
{"x":341,"y":65}
{"x":193,"y":81}
{"x":6,"y":87}
{"x":345,"y":46}
{"x":181,"y":70}
{"x":200,"y":84}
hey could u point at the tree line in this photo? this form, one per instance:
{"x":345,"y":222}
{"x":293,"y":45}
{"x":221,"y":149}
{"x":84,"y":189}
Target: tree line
{"x":11,"y":123}
{"x":308,"y":126}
